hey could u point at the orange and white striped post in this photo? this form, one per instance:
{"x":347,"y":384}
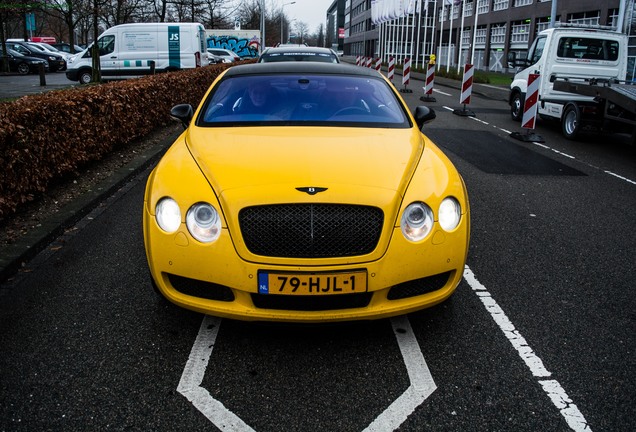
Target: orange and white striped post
{"x":529,"y":118}
{"x":467,"y":89}
{"x":406,"y":75}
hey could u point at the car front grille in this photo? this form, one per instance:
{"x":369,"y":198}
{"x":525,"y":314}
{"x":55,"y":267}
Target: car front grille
{"x":201,"y":289}
{"x":311,"y":230}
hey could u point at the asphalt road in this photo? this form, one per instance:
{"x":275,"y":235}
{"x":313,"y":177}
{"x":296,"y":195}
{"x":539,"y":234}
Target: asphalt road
{"x":538,"y":336}
{"x":14,"y":86}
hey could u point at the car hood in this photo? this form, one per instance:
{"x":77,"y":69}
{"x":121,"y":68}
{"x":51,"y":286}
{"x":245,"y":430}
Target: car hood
{"x":260,"y":165}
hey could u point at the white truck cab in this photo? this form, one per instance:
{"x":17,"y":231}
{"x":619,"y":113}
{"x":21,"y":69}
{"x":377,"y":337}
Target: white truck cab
{"x":576,"y":54}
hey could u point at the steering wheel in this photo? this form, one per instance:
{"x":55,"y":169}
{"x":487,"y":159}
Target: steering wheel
{"x":349,"y":111}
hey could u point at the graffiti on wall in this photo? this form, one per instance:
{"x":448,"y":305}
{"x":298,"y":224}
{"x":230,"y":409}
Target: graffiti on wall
{"x":244,"y":47}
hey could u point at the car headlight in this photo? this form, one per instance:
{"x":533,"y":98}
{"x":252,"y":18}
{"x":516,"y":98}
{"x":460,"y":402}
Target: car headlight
{"x":52,"y":58}
{"x":168,"y":215}
{"x":203,"y":222}
{"x":450,"y":213}
{"x":417,"y":221}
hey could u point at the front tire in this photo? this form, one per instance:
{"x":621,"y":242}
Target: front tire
{"x":85,"y":76}
{"x":571,"y":121}
{"x":23,"y":69}
{"x":516,"y":106}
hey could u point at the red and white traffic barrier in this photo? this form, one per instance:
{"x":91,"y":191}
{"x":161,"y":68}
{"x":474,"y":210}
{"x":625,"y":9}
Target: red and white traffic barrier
{"x":358,"y":60}
{"x":467,"y":85}
{"x":391,"y":72}
{"x":467,"y":89}
{"x":369,"y":62}
{"x":430,"y":81}
{"x":532,"y":97}
{"x":529,"y":118}
{"x":406,"y":76}
{"x":378,"y":64}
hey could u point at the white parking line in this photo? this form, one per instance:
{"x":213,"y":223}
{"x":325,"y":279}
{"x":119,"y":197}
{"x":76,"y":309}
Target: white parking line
{"x":441,"y":92}
{"x":551,"y":387}
{"x":421,"y":382}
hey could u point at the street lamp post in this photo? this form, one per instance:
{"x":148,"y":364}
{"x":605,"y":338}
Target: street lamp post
{"x":282,"y":18}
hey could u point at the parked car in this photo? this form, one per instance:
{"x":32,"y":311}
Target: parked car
{"x":215,"y":59}
{"x":230,"y":55}
{"x":20,"y":63}
{"x":56,"y":62}
{"x":298,"y":53}
{"x":67,"y":48}
{"x":305,"y":192}
{"x":46,"y":47}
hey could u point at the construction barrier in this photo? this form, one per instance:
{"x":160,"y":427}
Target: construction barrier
{"x":529,"y":118}
{"x":358,"y":60}
{"x":378,"y":64}
{"x":430,"y":81}
{"x":406,"y":75}
{"x":391,"y":72}
{"x":467,"y":89}
{"x":369,"y":62}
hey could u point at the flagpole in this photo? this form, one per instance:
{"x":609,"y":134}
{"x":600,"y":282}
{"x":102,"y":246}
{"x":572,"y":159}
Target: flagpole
{"x":419,"y":28}
{"x":461,"y":37}
{"x":450,"y":37}
{"x":441,"y":32}
{"x":472,"y":54}
{"x":412,"y":17}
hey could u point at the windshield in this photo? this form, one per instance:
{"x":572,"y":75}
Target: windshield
{"x":290,"y":99}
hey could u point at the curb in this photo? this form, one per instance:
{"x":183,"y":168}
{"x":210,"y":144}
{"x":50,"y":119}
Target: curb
{"x":13,"y":256}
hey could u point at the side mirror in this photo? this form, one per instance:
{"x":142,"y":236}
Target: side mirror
{"x":423,"y":114}
{"x":183,"y":112}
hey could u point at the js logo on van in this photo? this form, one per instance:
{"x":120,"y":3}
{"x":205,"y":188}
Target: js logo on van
{"x":174,"y":37}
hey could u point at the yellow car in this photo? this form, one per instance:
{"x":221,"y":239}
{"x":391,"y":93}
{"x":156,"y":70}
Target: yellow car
{"x":305,"y":192}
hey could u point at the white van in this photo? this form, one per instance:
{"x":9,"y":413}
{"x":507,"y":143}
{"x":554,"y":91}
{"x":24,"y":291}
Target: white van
{"x":128,"y":50}
{"x":572,"y":54}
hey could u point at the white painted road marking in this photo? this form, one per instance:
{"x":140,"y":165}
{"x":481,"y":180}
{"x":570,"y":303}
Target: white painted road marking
{"x":421,"y":387}
{"x":192,"y":376}
{"x":441,"y":92}
{"x":551,"y":387}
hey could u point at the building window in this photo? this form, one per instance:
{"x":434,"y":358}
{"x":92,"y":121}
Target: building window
{"x":480,"y":36}
{"x":468,"y":9}
{"x":498,"y":34}
{"x":523,"y":2}
{"x":466,"y":36}
{"x":520,"y":32}
{"x":483,"y":6}
{"x":585,"y":18}
{"x":544,"y":23}
{"x":456,"y":11}
{"x":612,"y":19}
{"x":500,"y":5}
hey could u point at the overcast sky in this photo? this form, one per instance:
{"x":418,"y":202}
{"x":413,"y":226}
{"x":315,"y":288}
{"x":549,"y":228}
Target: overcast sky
{"x":311,"y":12}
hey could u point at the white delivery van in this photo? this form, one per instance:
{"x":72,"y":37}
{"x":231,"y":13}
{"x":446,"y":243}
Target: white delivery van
{"x":574,"y":55}
{"x":128,"y":50}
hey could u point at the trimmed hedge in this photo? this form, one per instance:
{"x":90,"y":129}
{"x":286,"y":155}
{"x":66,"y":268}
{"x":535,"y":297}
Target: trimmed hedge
{"x":47,"y":136}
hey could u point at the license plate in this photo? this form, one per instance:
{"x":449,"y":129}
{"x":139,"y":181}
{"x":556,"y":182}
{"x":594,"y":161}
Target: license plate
{"x":312,"y":283}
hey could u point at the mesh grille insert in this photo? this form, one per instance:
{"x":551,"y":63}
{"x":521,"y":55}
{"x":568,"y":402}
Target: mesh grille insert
{"x":311,"y":230}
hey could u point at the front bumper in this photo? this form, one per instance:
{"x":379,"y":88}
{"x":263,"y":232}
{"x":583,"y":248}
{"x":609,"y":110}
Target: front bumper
{"x":213,"y":279}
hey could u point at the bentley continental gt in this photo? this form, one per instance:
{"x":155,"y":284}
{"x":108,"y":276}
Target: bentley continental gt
{"x":305,"y":192}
